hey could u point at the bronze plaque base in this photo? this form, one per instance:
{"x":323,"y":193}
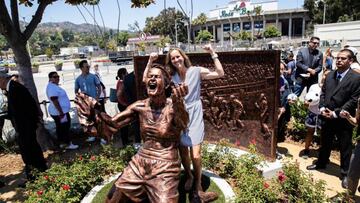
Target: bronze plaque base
{"x":241,"y":106}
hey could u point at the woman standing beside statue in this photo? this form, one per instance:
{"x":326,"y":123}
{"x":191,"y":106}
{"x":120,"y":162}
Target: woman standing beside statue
{"x":182,"y":72}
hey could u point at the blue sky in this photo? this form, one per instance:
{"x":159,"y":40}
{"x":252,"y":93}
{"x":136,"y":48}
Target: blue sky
{"x":59,"y":11}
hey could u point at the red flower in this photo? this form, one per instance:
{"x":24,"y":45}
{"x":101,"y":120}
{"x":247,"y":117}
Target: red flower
{"x":40,"y":192}
{"x":266,"y":185}
{"x":237,"y":142}
{"x":253,"y":141}
{"x":66,"y":187}
{"x":80,"y":158}
{"x":92,"y":158}
{"x":46,"y":177}
{"x":281,"y":177}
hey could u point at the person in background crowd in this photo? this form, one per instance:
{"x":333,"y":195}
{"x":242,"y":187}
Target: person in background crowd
{"x":102,"y":97}
{"x":284,"y":110}
{"x":328,"y":60}
{"x":183,"y":72}
{"x":313,"y":120}
{"x":130,"y":95}
{"x":122,"y":102}
{"x":89,"y":84}
{"x":24,"y":113}
{"x":340,"y":92}
{"x":97,"y":72}
{"x":354,"y":169}
{"x":289,"y":71}
{"x":59,"y":110}
{"x":355,"y":65}
{"x":308,"y":65}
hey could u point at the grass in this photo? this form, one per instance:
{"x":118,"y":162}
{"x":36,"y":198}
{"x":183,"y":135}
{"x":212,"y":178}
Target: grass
{"x":208,"y":185}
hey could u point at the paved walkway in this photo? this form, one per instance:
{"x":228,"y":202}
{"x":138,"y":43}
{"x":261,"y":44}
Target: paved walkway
{"x":331,"y":174}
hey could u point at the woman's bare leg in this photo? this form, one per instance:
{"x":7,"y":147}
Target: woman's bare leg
{"x":195,"y":152}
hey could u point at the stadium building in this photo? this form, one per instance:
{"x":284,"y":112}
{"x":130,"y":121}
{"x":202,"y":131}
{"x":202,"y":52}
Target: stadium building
{"x":224,"y":22}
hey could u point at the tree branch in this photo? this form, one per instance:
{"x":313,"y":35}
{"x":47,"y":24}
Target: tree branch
{"x":15,"y":15}
{"x":36,"y":18}
{"x":5,"y":20}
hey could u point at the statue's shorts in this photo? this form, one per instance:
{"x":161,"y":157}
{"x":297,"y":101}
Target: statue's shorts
{"x":148,"y":178}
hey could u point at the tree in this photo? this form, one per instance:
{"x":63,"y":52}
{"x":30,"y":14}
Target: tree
{"x":164,"y":24}
{"x":336,"y":10}
{"x":345,"y":18}
{"x":49,"y":52}
{"x":17,"y":38}
{"x":271,"y":31}
{"x":123,"y":38}
{"x":200,"y":20}
{"x":111,"y":45}
{"x":68,"y":35}
{"x":163,"y":41}
{"x":243,"y":35}
{"x":203,"y":36}
{"x":3,"y":44}
{"x":141,"y":3}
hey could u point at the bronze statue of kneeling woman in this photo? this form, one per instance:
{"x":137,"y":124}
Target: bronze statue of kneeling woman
{"x":153,"y":173}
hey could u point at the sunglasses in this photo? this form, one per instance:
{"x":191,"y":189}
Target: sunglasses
{"x":341,"y":58}
{"x":315,"y":42}
{"x":55,"y":76}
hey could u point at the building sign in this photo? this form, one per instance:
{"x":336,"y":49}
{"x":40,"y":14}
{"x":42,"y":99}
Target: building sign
{"x":144,"y":38}
{"x":237,"y":10}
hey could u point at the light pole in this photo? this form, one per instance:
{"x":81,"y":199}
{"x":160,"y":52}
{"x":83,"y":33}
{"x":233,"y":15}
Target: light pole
{"x":324,"y":12}
{"x":187,"y":21}
{"x":176,"y":33}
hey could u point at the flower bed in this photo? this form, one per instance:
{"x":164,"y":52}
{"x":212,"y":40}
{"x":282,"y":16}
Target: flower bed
{"x":290,"y":185}
{"x":70,"y":181}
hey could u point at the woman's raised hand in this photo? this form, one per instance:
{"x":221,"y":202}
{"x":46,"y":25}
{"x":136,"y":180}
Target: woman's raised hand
{"x":153,"y":56}
{"x":208,"y":48}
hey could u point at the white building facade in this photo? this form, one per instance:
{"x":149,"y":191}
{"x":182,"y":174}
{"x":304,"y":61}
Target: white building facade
{"x":339,"y":34}
{"x":240,"y":15}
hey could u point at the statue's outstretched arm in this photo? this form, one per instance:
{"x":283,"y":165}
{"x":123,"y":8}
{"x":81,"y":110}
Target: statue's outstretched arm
{"x":99,"y":123}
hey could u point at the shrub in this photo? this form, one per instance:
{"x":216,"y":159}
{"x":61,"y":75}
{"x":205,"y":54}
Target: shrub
{"x":77,"y":63}
{"x":35,"y":65}
{"x":70,"y":181}
{"x":300,"y":187}
{"x":59,"y":63}
{"x":297,"y":128}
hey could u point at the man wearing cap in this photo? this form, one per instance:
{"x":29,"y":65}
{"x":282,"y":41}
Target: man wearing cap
{"x":24,"y":114}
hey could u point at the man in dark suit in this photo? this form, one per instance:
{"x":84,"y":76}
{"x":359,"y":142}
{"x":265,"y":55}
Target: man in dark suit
{"x":308,"y":66}
{"x":24,"y":114}
{"x":340,"y":92}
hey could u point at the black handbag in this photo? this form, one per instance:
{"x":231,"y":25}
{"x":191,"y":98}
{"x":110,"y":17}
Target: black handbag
{"x":113,"y":97}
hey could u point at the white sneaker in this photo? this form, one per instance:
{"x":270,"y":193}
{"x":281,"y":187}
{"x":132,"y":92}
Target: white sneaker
{"x":90,"y":139}
{"x":72,"y":146}
{"x":103,"y":142}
